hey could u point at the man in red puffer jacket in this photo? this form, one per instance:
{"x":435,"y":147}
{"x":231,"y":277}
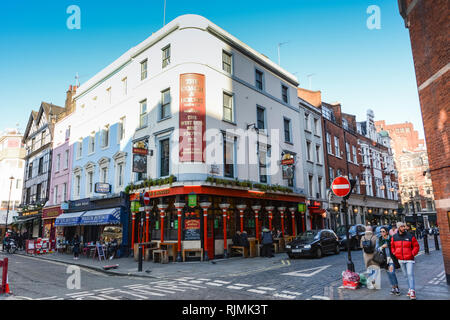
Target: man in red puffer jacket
{"x":405,"y":247}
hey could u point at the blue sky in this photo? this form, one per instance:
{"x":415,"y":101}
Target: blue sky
{"x":361,"y":68}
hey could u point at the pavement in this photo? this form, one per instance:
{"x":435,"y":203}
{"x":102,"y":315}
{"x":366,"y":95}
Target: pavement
{"x":429,"y":272}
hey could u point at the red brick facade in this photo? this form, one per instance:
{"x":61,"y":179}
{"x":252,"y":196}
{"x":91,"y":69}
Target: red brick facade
{"x":428,"y":26}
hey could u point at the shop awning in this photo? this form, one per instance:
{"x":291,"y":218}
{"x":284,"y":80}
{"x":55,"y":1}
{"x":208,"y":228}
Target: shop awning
{"x":101,"y":217}
{"x":69,"y":219}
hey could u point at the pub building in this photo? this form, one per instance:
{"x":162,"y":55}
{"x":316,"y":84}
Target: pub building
{"x":29,"y":222}
{"x":186,"y":216}
{"x":95,"y":219}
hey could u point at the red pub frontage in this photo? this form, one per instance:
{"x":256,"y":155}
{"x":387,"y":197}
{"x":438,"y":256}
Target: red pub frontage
{"x":191,"y":218}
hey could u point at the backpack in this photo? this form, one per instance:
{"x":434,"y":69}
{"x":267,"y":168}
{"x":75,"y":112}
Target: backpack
{"x":368,"y":246}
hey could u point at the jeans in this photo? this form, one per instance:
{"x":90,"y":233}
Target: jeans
{"x":392,"y":276}
{"x":408,"y":271}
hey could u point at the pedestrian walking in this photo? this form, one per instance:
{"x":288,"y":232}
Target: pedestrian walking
{"x":76,"y":247}
{"x":405,"y":247}
{"x":267,"y":241}
{"x":368,"y":244}
{"x":384,"y":245}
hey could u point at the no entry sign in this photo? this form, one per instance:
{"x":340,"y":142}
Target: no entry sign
{"x":341,"y":186}
{"x":146,"y":198}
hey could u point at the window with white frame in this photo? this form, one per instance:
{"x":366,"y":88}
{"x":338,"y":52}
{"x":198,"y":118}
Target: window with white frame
{"x":329,"y":150}
{"x":319,"y":186}
{"x":262,"y":165}
{"x":308,"y":151}
{"x":105,"y":137}
{"x":64,"y":199}
{"x":120,"y":175}
{"x":80,"y":148}
{"x":228,"y":156}
{"x":165,"y":104}
{"x":227,"y":62}
{"x":311,"y":191}
{"x":58,"y":162}
{"x":66,"y":159}
{"x":104,"y":174}
{"x":92,"y":142}
{"x":55,"y":194}
{"x":316,"y":127}
{"x":164,"y":157}
{"x":77,"y":184}
{"x":260,"y":118}
{"x":144,"y":69}
{"x":121,"y":129}
{"x":228,"y":107}
{"x":355,"y":159}
{"x":347,"y":150}
{"x":143,"y":113}
{"x":166,"y":56}
{"x":331,"y":174}
{"x":337,"y":151}
{"x":89,"y":182}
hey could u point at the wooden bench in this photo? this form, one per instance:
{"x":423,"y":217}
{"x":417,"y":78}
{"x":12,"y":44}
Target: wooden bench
{"x":241,"y":250}
{"x":193,"y":250}
{"x":160,"y":256}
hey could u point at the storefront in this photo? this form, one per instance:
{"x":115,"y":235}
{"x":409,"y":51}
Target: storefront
{"x":49,"y":216}
{"x":93,"y":220}
{"x":29,"y":223}
{"x":200,"y":216}
{"x":317,"y":215}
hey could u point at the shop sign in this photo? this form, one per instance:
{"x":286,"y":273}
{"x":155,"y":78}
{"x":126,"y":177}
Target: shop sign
{"x":192,"y":117}
{"x":192,"y":229}
{"x":139,"y":163}
{"x":51,"y":212}
{"x":135,"y":205}
{"x":76,"y":204}
{"x":140,"y":147}
{"x":29,"y":213}
{"x":192,"y":200}
{"x":102,"y":187}
{"x":302,"y":207}
{"x":287,"y":166}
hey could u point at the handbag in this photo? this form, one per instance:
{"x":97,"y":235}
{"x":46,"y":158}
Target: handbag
{"x":380,"y":258}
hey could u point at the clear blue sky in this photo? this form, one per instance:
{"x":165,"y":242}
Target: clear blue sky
{"x":361,"y":68}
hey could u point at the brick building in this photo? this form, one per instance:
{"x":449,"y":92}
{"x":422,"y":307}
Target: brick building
{"x":428,"y":26}
{"x":356,"y":150}
{"x":411,"y":160}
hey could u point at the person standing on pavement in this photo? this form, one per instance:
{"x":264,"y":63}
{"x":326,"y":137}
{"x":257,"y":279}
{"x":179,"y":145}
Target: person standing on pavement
{"x":267,"y":241}
{"x":393,"y":230}
{"x":76,"y":247}
{"x":368,"y":244}
{"x":405,"y":247}
{"x":384,"y":245}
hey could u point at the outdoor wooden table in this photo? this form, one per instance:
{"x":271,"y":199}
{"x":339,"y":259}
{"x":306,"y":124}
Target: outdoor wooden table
{"x":171,"y":248}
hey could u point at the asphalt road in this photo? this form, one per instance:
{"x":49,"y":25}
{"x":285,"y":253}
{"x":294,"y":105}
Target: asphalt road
{"x":277,"y":278}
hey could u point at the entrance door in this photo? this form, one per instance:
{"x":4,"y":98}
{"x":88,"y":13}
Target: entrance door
{"x":210,"y":238}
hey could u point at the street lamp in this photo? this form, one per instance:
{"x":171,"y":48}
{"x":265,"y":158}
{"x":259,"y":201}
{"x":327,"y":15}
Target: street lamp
{"x":7,"y":211}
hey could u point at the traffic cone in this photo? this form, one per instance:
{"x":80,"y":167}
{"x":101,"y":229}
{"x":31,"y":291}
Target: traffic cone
{"x":7,"y":290}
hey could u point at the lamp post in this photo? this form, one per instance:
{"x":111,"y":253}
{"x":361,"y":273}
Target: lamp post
{"x":7,"y":210}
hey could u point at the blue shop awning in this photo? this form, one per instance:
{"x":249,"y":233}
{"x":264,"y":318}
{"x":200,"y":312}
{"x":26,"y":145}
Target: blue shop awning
{"x":101,"y":217}
{"x":69,"y":219}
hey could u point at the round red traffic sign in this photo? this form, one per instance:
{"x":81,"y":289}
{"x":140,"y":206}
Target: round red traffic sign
{"x":146,"y":198}
{"x":341,"y":186}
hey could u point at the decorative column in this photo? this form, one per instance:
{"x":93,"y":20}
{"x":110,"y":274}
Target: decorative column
{"x":179,"y":206}
{"x":281,"y":210}
{"x":270,"y":210}
{"x":162,"y":208}
{"x":241,"y":208}
{"x":292,"y":210}
{"x":205,"y":206}
{"x":224,"y":207}
{"x":147,"y":224}
{"x":256,"y":209}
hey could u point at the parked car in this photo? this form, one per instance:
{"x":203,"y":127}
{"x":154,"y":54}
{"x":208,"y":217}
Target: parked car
{"x":356,"y":232}
{"x":313,"y":243}
{"x":377,"y":232}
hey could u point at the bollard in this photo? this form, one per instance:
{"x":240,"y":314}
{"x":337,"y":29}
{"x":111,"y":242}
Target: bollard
{"x":425,"y":242}
{"x":140,"y":258}
{"x":436,"y":242}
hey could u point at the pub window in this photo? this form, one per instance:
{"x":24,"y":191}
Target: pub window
{"x":227,"y":107}
{"x":284,"y":93}
{"x":228,"y":157}
{"x":260,"y":117}
{"x":144,"y":69}
{"x":259,"y":76}
{"x":262,"y":166}
{"x":164,"y":152}
{"x":287,"y":130}
{"x":166,"y":56}
{"x":226,"y":62}
{"x":143,"y":114}
{"x":105,"y":137}
{"x":165,"y":104}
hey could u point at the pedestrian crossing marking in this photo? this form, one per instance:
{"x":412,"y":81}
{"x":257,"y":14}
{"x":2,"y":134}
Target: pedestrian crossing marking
{"x":281,"y":295}
{"x":257,"y":291}
{"x":265,"y":288}
{"x":235,"y":287}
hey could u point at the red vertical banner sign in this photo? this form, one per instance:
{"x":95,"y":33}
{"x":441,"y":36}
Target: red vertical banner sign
{"x":192,"y":117}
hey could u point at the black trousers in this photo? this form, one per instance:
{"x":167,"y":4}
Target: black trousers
{"x":266,"y":250}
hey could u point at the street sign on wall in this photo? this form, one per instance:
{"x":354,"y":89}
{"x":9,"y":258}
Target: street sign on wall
{"x":341,"y":186}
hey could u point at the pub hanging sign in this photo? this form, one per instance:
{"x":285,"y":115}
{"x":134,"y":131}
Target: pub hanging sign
{"x":140,"y":151}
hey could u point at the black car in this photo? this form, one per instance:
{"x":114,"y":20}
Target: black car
{"x":356,"y":232}
{"x":313,"y":243}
